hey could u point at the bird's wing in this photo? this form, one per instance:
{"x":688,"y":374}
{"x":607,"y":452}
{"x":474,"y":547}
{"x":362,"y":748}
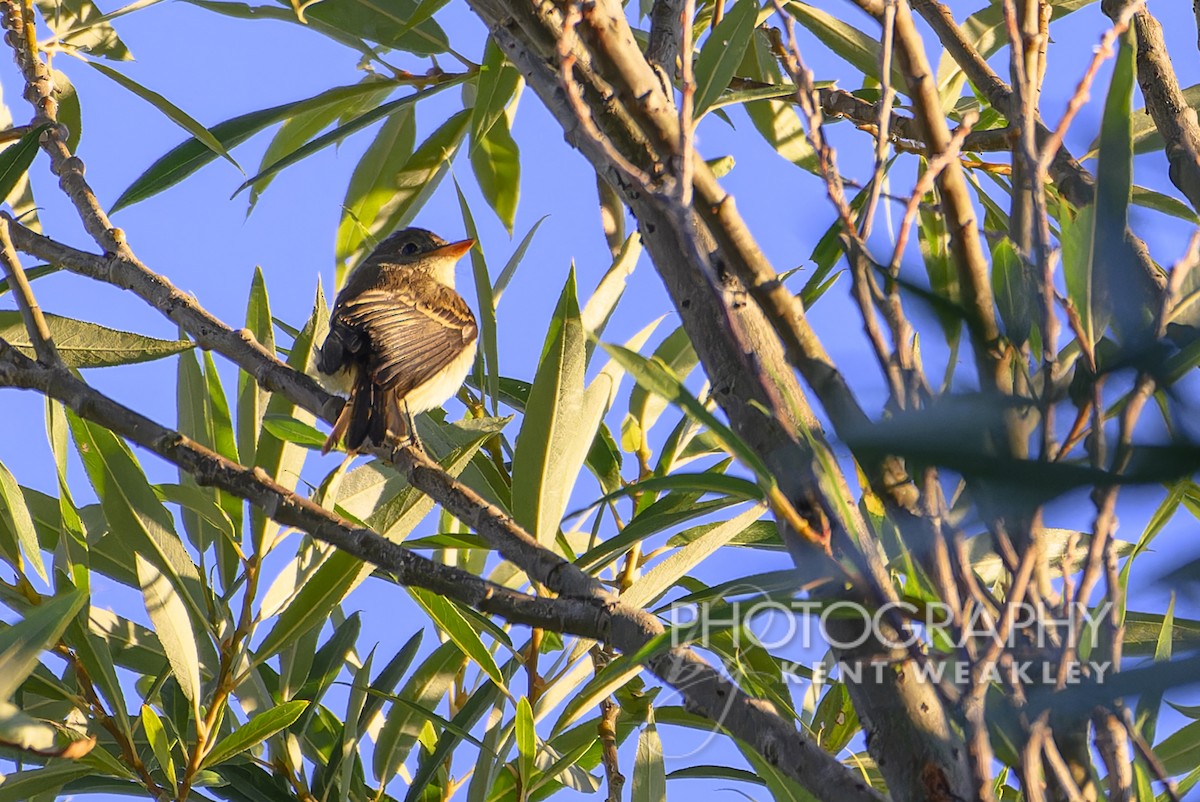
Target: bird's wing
{"x":413,"y":332}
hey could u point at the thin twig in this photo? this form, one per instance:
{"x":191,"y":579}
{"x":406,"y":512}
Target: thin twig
{"x":31,"y":313}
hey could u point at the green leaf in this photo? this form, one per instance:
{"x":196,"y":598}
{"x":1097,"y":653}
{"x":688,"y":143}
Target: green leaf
{"x":777,"y":120}
{"x":169,"y":615}
{"x":344,"y":130}
{"x":664,"y":575}
{"x":856,"y":47}
{"x":494,"y":88}
{"x":252,"y":399}
{"x":31,"y":273}
{"x":835,"y":721}
{"x":138,"y":522}
{"x":390,"y":24}
{"x":15,"y":159}
{"x":1166,"y":204}
{"x":658,"y":379}
{"x":287,"y":428}
{"x":1111,"y":254}
{"x":1078,"y":272}
{"x":526,"y":741}
{"x":22,"y":643}
{"x":540,"y":489}
{"x":722,"y":52}
{"x":301,"y":128}
{"x":449,"y":620}
{"x":79,"y":24}
{"x":255,"y":731}
{"x":156,"y":734}
{"x":1146,"y":138}
{"x":486,"y":305}
{"x":22,"y":786}
{"x":169,"y":109}
{"x":649,"y":773}
{"x":470,"y":712}
{"x":514,"y":261}
{"x":496,"y":162}
{"x":16,"y":513}
{"x":1014,"y":292}
{"x":423,"y":691}
{"x":373,"y":183}
{"x":89,"y":345}
{"x":189,"y":156}
{"x":70,"y":113}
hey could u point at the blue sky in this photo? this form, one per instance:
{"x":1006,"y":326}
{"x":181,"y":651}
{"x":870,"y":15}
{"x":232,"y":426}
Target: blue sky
{"x":216,"y":68}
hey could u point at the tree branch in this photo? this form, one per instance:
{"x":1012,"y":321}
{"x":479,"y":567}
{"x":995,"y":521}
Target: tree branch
{"x":597,"y":614}
{"x":31,"y":313}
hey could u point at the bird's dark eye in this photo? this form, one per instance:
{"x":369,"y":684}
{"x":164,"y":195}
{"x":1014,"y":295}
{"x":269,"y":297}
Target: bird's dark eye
{"x":409,"y":248}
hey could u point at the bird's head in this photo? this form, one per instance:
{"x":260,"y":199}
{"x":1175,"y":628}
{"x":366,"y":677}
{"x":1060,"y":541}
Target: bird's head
{"x":422,"y":250}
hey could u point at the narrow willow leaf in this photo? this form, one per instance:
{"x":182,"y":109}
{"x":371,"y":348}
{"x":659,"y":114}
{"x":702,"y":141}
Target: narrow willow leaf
{"x":156,"y":734}
{"x":80,"y":25}
{"x":254,"y":732}
{"x":649,"y":772}
{"x":137,"y":521}
{"x":1013,"y":291}
{"x":169,"y":109}
{"x":599,"y":308}
{"x":645,"y":408}
{"x":449,"y":620}
{"x":479,"y":703}
{"x":496,"y":161}
{"x":856,"y":47}
{"x":1078,"y":272}
{"x":423,"y":691}
{"x":494,"y":87}
{"x":388,"y":24}
{"x":23,"y":643}
{"x":301,"y":128}
{"x":372,"y":184}
{"x":490,"y":351}
{"x":540,"y":488}
{"x":169,"y":614}
{"x":344,"y":130}
{"x":387,"y":679}
{"x":514,"y":261}
{"x":1166,"y":204}
{"x":665,"y":574}
{"x":526,"y":742}
{"x":1112,"y":256}
{"x":70,"y":113}
{"x":189,"y":156}
{"x":90,"y":345}
{"x":16,"y":513}
{"x":252,"y":399}
{"x":777,"y":120}
{"x":22,"y":786}
{"x":15,"y":159}
{"x":291,"y":430}
{"x":657,"y":378}
{"x":722,"y":52}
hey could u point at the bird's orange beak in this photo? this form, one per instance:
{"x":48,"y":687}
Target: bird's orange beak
{"x":455,"y":250}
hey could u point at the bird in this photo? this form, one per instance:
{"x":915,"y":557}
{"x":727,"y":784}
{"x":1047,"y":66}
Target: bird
{"x":401,"y":339}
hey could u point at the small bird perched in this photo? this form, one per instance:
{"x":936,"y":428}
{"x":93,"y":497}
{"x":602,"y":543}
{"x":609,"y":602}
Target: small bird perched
{"x":401,"y":340}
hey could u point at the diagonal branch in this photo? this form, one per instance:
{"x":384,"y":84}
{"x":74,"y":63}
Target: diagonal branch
{"x":31,"y":313}
{"x":598,"y":614}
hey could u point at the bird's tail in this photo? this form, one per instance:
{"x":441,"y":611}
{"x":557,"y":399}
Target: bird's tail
{"x":365,"y":415}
